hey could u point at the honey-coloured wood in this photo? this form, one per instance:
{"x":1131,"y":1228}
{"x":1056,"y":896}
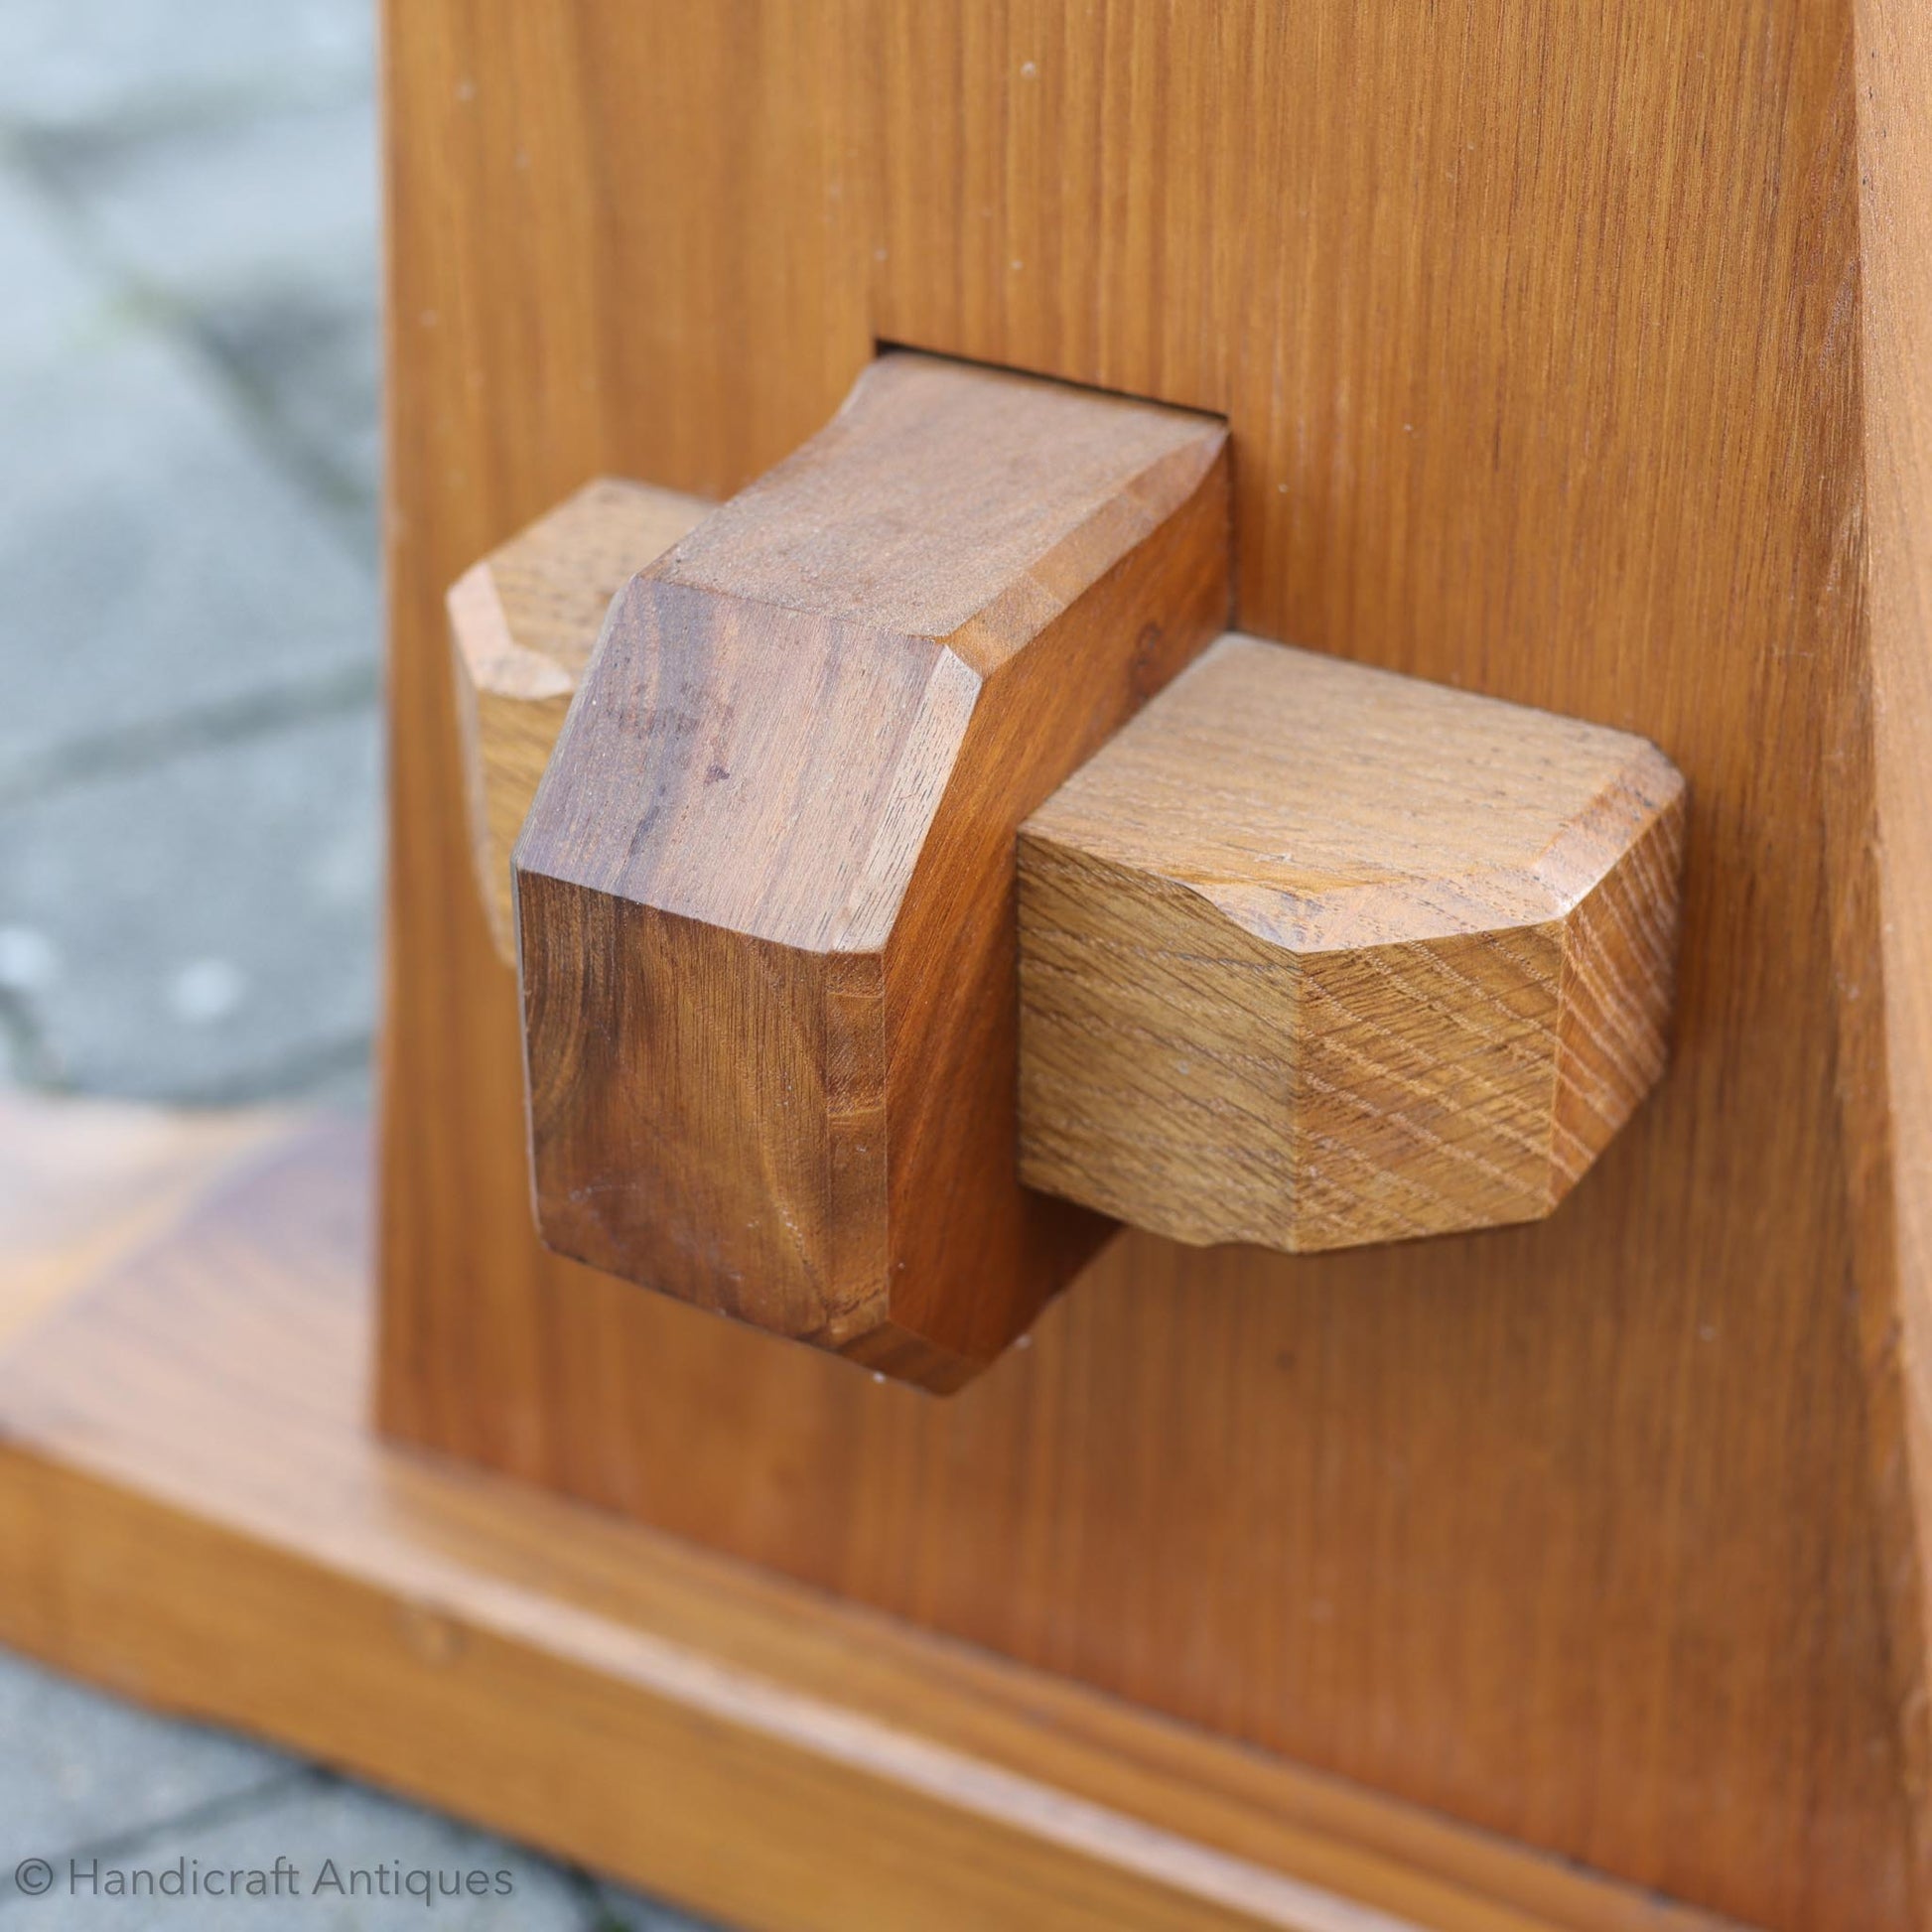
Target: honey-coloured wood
{"x":1572,"y":355}
{"x":1313,"y":955}
{"x":766,"y":891}
{"x":195,"y":1518}
{"x":522,"y":624}
{"x":1310,"y":956}
{"x":1888,"y":1053}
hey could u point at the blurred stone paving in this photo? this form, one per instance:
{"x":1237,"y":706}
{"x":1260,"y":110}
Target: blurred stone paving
{"x":190,"y":784}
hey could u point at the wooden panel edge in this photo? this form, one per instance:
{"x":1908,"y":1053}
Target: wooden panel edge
{"x":660,"y":1713}
{"x":1884,"y":928}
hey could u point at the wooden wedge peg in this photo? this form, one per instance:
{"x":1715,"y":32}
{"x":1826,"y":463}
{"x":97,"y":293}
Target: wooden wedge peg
{"x":522,"y":623}
{"x":766,"y":893}
{"x":1307,"y":955}
{"x":1315,"y":955}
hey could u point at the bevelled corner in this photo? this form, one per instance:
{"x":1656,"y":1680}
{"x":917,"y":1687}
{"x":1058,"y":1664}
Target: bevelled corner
{"x":1314,"y":956}
{"x":766,"y":893}
{"x":522,"y":624}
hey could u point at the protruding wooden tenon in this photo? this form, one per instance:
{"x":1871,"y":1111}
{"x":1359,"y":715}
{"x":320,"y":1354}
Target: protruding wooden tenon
{"x":766,"y":893}
{"x":1313,"y":955}
{"x":522,"y":624}
{"x":1309,"y":956}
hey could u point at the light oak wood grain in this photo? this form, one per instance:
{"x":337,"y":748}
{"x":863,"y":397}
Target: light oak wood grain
{"x":766,"y":891}
{"x":522,"y":624}
{"x":1550,"y":338}
{"x":1312,"y":956}
{"x":1886,"y":790}
{"x":193,"y":1511}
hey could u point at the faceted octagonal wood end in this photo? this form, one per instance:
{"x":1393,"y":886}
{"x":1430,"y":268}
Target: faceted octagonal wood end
{"x":765,"y":892}
{"x":522,"y":624}
{"x":1313,"y":955}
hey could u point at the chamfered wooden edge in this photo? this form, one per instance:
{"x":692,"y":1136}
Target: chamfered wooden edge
{"x":1315,"y":955}
{"x":522,"y":624}
{"x":1881,"y":808}
{"x":195,"y":1512}
{"x":765,"y":894}
{"x":85,"y":1181}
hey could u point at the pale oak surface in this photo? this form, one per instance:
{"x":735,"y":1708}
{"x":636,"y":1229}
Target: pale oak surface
{"x":1312,"y":956}
{"x":522,"y":624}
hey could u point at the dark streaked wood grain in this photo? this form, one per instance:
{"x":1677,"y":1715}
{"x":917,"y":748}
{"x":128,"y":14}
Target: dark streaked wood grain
{"x":766,"y":891}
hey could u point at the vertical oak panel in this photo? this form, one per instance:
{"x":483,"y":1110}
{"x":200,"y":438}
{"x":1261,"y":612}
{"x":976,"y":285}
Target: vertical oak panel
{"x":1538,"y":331}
